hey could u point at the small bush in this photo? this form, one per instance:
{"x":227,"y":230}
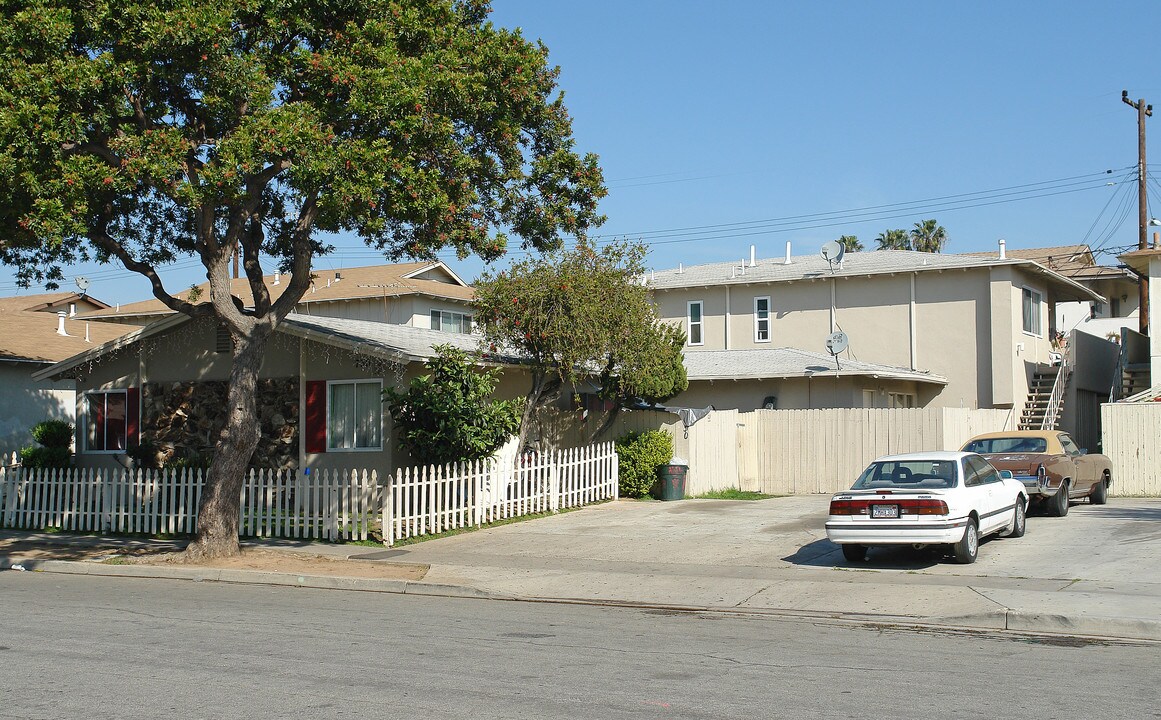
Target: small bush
{"x":45,"y":457}
{"x":53,"y":433}
{"x":639,"y":457}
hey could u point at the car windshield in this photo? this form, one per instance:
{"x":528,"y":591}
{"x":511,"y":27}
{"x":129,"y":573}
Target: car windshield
{"x":910,"y":474}
{"x":992,"y":446}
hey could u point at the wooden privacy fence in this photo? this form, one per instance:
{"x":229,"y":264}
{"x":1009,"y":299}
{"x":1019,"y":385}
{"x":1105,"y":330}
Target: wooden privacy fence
{"x":434,"y":499}
{"x":315,"y":504}
{"x":1131,"y":438}
{"x":786,"y":452}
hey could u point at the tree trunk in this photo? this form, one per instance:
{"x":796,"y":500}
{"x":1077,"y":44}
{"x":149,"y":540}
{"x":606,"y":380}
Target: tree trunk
{"x":217,"y":531}
{"x":544,"y":388}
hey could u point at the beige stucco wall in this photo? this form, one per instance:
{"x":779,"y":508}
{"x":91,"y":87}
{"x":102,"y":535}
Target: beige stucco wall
{"x":965,"y":325}
{"x":791,"y":393}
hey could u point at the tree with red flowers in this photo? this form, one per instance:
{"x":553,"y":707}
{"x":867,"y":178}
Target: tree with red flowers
{"x":144,"y":132}
{"x":582,"y":314}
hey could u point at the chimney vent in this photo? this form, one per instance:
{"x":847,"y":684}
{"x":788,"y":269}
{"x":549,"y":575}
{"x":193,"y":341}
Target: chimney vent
{"x":1003,"y":249}
{"x":787,"y":262}
{"x":753,"y":262}
{"x":60,"y":328}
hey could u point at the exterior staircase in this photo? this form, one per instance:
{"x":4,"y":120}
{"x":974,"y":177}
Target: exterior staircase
{"x":1045,"y":398}
{"x":1134,"y":379}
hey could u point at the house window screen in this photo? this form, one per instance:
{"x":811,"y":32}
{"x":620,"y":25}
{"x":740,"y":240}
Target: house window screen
{"x":355,"y":415}
{"x":694,"y":323}
{"x":453,"y":322}
{"x":105,"y":421}
{"x":1032,"y":301}
{"x":762,"y":319}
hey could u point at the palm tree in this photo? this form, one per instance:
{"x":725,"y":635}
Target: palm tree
{"x":928,"y":236}
{"x":850,"y":243}
{"x":894,"y":240}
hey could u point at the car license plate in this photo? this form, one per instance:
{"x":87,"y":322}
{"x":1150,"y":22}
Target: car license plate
{"x":884,"y":511}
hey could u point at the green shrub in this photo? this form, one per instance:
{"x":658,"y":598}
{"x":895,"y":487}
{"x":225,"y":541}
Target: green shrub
{"x":53,"y":433}
{"x":639,"y":457}
{"x":45,"y":457}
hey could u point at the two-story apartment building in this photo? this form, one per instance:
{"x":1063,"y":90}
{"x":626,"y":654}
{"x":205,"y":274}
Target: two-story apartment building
{"x":924,"y":329}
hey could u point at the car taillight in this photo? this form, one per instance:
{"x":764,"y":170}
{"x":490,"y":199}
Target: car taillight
{"x":923,"y":507}
{"x":848,"y":507}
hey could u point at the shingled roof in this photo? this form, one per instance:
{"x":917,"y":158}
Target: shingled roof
{"x":29,"y":327}
{"x":373,"y":281}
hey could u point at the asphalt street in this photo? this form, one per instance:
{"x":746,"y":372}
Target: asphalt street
{"x":103,"y":647}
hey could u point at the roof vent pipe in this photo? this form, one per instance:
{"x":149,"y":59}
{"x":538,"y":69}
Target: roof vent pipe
{"x":87,"y":333}
{"x":60,"y":318}
{"x":277,"y":277}
{"x":680,"y":268}
{"x":753,"y":262}
{"x":787,"y":253}
{"x":1003,"y":249}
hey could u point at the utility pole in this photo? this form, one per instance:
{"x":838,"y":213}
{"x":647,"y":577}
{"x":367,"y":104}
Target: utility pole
{"x":1143,"y":111}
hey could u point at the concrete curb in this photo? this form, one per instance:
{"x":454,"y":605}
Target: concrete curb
{"x":999,"y":620}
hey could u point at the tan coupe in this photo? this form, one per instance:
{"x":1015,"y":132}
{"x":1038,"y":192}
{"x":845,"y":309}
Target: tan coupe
{"x":1051,"y":466}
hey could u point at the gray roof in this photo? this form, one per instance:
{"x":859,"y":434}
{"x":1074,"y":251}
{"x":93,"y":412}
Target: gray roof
{"x":854,"y":264}
{"x":398,"y":342}
{"x":785,"y":362}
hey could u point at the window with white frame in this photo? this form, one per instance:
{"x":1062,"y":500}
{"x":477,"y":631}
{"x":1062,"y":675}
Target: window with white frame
{"x":453,"y":322}
{"x":900,"y":400}
{"x":762,"y":319}
{"x":355,"y":415}
{"x":106,"y":426}
{"x":1031,"y":308}
{"x":693,"y":324}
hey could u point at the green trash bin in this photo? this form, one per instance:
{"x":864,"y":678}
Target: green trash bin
{"x":673,"y":479}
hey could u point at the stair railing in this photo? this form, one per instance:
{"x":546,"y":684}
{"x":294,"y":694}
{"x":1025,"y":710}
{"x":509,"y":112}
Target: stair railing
{"x":1053,"y":409}
{"x":1118,"y":388}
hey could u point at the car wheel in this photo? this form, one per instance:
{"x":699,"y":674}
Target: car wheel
{"x":1058,"y":505}
{"x":1100,"y":493}
{"x":855,"y":553}
{"x":968,"y":548}
{"x":1019,"y":521}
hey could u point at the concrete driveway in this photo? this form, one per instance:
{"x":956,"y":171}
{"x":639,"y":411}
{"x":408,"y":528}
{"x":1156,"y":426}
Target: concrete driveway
{"x":1096,"y":571}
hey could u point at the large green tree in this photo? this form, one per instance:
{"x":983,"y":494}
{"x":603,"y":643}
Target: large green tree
{"x":582,"y":313}
{"x":928,"y":236}
{"x":145,"y":132}
{"x":850,"y":243}
{"x":893,"y":240}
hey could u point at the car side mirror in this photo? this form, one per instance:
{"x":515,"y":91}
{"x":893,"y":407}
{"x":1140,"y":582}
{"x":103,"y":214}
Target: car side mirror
{"x":1006,"y":474}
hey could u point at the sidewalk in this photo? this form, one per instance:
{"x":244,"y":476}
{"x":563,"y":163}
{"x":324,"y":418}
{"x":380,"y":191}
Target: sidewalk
{"x":1095,"y":572}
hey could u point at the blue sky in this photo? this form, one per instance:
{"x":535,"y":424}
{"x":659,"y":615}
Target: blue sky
{"x":722,"y":125}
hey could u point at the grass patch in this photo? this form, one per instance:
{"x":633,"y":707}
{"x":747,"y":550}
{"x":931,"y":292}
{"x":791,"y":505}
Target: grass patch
{"x":506,"y":521}
{"x":734,"y":494}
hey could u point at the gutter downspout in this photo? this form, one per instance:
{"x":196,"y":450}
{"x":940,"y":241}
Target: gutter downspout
{"x":911,"y":327}
{"x":727,"y":317}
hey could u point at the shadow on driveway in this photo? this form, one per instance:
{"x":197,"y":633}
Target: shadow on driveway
{"x":824,"y":553}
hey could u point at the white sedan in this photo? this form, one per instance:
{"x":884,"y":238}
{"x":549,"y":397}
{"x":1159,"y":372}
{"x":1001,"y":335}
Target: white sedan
{"x":931,"y":498}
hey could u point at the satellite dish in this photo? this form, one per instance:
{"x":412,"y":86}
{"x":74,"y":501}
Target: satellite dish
{"x":836,"y":343}
{"x":833,"y":251}
{"x":82,"y":283}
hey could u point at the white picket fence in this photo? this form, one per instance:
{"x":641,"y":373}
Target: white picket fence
{"x":320,"y":504}
{"x":435,"y":499}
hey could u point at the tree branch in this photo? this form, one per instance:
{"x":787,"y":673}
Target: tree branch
{"x":89,"y":148}
{"x":107,"y":243}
